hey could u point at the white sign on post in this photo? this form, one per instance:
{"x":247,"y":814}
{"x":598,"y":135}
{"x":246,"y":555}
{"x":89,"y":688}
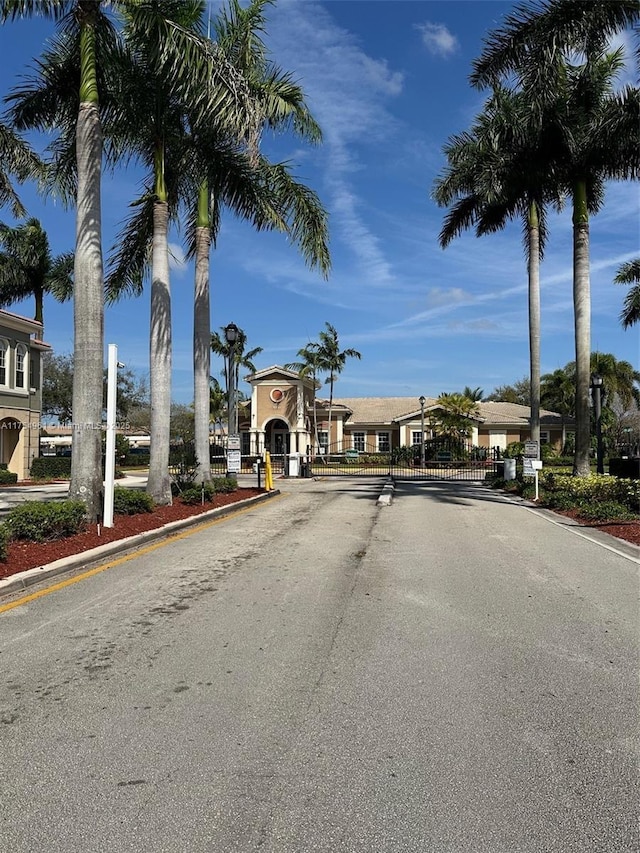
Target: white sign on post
{"x":531,"y":450}
{"x":234,"y":461}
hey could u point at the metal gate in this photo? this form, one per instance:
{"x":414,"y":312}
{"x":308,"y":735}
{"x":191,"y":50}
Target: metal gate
{"x":439,"y":459}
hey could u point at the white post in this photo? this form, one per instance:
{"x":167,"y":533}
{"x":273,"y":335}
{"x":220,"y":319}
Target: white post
{"x":110,"y":457}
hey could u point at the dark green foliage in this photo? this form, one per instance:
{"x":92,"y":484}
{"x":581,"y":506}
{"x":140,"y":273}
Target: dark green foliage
{"x":606,"y":511}
{"x":39,"y":522}
{"x":224,"y":485}
{"x":7,"y":477}
{"x":4,"y":541}
{"x":131,"y":501}
{"x":194,"y":496}
{"x":51,"y":468}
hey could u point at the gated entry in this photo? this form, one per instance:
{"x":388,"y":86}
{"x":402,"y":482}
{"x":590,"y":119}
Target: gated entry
{"x":440,"y":459}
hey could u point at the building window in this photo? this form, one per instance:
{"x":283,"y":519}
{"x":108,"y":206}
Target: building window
{"x":32,"y":374}
{"x":416,"y":437}
{"x":21,"y":358}
{"x":358,"y":441}
{"x":323,"y":440}
{"x":4,"y":348}
{"x":544,"y":437}
{"x":384,"y":444}
{"x":245,"y":438}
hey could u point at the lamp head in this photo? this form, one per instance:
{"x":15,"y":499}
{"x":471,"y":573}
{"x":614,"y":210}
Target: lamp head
{"x":596,"y":380}
{"x":422,"y":400}
{"x":231,"y":333}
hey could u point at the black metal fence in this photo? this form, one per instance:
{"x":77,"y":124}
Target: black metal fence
{"x":438,"y":459}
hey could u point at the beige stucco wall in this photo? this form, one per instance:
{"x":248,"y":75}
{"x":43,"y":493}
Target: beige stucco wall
{"x":19,"y":446}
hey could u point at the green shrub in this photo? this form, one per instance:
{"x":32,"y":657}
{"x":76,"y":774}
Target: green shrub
{"x":528,"y":491}
{"x":194,"y":496}
{"x":131,"y":501}
{"x":51,"y":467}
{"x":7,"y":477}
{"x":606,"y":511}
{"x":559,"y":500}
{"x":39,"y":522}
{"x":4,"y":541}
{"x":224,"y":485}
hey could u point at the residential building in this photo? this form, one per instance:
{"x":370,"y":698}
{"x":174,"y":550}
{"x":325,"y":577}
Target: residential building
{"x":21,"y":350}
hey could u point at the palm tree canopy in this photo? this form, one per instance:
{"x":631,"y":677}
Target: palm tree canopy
{"x":17,"y":161}
{"x":497,"y":170}
{"x":27,"y":267}
{"x":332,"y":360}
{"x":629,"y":273}
{"x":533,"y":33}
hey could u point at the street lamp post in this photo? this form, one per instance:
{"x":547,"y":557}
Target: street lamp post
{"x":231,"y":335}
{"x":596,"y":387}
{"x":422,"y":401}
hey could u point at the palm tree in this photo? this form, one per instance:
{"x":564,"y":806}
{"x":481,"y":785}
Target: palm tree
{"x":155,"y":128}
{"x":475,"y":394}
{"x":16,"y":160}
{"x":85,"y":28}
{"x":234,"y":356}
{"x":496,"y":172}
{"x":456,"y":410}
{"x":332,"y":360}
{"x":87,"y":60}
{"x":557,"y":394}
{"x":308,"y":367}
{"x":629,"y":273}
{"x":28,"y":269}
{"x":272,"y":199}
{"x":597,"y":131}
{"x":217,"y":403}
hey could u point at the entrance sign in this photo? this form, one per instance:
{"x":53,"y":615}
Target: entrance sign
{"x":234,"y":461}
{"x":531,"y":450}
{"x":233,"y":442}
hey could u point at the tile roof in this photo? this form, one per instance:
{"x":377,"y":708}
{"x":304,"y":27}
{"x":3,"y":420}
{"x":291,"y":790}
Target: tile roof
{"x":385,"y":410}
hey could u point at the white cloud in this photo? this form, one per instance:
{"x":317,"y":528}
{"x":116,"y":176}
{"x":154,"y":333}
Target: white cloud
{"x":346,"y":90}
{"x":438,"y":40}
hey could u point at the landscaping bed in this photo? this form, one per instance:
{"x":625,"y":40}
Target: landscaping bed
{"x":23,"y":555}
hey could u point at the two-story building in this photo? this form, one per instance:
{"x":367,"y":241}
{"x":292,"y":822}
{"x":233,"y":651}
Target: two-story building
{"x":21,"y":350}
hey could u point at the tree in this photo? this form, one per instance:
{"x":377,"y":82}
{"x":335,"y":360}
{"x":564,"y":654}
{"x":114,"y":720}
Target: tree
{"x":308,"y":367}
{"x":629,"y":273}
{"x":57,"y":387}
{"x":86,"y":60}
{"x":91,"y":34}
{"x":597,"y":130}
{"x":217,"y":404}
{"x":263,"y":193}
{"x":475,"y":394}
{"x":519,"y":392}
{"x":332,"y":360}
{"x":557,"y":394}
{"x":57,"y":390}
{"x":16,"y":160}
{"x":455,"y":412}
{"x":234,"y":357}
{"x":28,"y":269}
{"x":497,"y":172}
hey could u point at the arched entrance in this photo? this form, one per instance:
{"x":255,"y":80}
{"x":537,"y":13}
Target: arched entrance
{"x":10,"y":430}
{"x":277,"y":437}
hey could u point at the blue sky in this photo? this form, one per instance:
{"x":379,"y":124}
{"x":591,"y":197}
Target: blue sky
{"x":388,"y":82}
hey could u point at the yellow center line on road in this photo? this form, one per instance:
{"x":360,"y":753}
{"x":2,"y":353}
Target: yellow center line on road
{"x":147,"y":549}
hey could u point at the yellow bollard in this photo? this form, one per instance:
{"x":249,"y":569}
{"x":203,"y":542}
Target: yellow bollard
{"x":268,"y":472}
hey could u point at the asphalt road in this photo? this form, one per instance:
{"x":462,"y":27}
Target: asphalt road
{"x":454,"y":672}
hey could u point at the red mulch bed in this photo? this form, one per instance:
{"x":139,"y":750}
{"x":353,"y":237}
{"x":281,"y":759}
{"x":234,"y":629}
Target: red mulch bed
{"x":627,"y":530}
{"x":30,"y":555}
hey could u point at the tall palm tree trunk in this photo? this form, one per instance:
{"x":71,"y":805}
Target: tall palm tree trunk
{"x":202,"y":339}
{"x":582,"y":324}
{"x":88,"y":313}
{"x":534,"y":320}
{"x":158,"y":484}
